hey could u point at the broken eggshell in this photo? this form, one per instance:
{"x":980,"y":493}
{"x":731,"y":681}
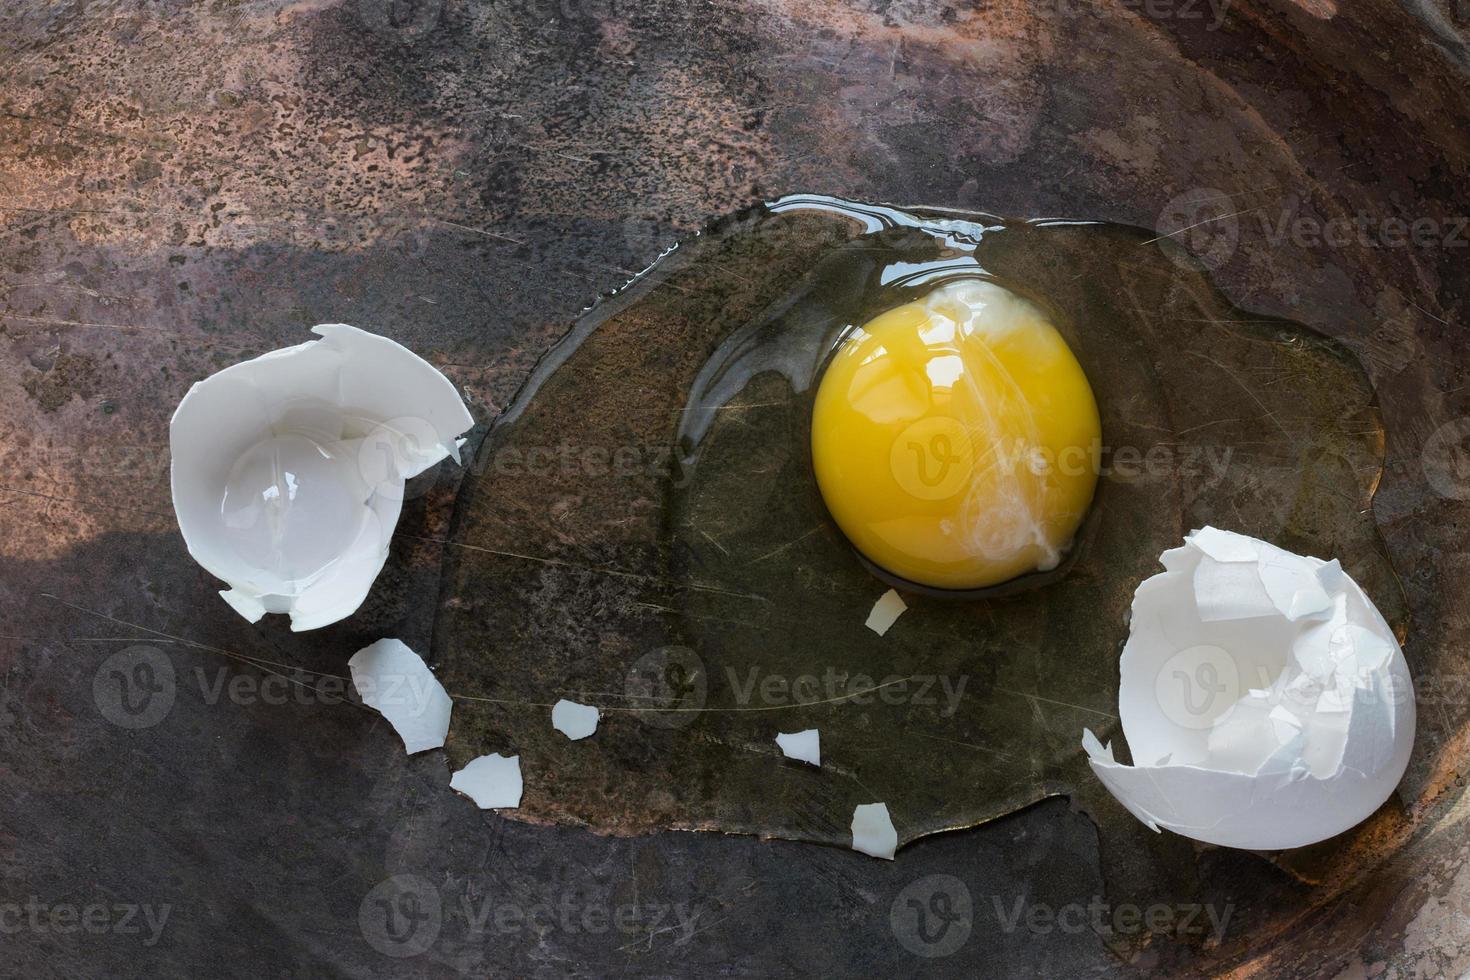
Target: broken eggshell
{"x":873,"y":832}
{"x":885,"y":612}
{"x":288,"y":470}
{"x":492,"y":781}
{"x":395,"y":681}
{"x":803,"y":746}
{"x":575,"y":721}
{"x":1265,"y":699}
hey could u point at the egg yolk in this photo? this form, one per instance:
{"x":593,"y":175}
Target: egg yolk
{"x":956,"y":439}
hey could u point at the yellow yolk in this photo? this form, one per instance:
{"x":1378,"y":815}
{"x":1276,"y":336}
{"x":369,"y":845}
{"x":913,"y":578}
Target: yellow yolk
{"x":956,"y":439}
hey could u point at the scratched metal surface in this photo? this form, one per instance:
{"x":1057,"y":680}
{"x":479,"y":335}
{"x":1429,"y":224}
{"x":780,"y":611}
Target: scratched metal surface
{"x":184,"y":185}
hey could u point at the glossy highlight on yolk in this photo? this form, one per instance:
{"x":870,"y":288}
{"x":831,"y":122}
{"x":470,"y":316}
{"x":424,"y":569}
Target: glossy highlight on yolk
{"x":955,"y":438}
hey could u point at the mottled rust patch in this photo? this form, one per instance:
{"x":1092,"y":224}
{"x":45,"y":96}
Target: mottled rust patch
{"x":62,"y":377}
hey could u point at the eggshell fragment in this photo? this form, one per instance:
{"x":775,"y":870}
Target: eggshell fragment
{"x":492,"y":781}
{"x":574,"y":720}
{"x":885,"y":612}
{"x":872,"y":831}
{"x":288,"y":470}
{"x":1266,"y":701}
{"x":802,"y":746}
{"x":391,"y":678}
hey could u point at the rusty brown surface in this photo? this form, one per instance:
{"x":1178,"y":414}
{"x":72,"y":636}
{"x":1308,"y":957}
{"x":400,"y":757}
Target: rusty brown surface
{"x":186,"y":185}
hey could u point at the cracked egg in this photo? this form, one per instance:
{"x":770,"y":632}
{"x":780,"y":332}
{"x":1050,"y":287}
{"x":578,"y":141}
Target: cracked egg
{"x":288,"y":470}
{"x":662,"y":515}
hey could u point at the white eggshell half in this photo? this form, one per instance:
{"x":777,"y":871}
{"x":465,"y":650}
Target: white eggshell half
{"x":492,"y":781}
{"x":395,"y":681}
{"x":802,"y":746}
{"x":574,"y":720}
{"x":288,"y":470}
{"x":1266,"y":702}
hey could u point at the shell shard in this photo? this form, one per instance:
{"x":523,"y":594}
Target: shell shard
{"x":395,"y":681}
{"x":575,"y":721}
{"x":885,"y":612}
{"x":873,"y":832}
{"x":492,"y":781}
{"x":805,"y":746}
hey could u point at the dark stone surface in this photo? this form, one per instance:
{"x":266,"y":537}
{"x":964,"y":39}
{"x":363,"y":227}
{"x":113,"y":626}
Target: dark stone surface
{"x":186,"y":185}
